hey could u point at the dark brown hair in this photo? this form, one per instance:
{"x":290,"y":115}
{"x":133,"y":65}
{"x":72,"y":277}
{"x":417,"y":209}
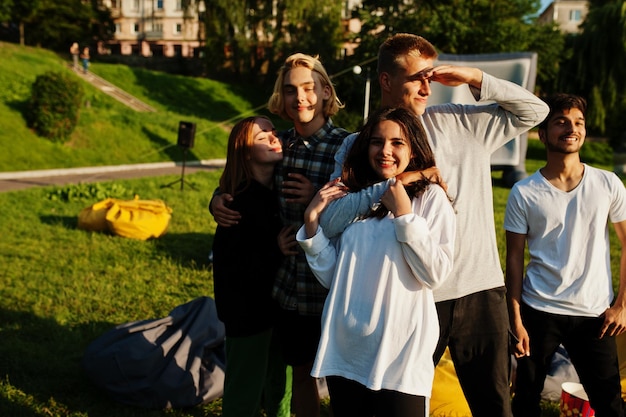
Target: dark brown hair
{"x":562,"y":101}
{"x":357,"y":172}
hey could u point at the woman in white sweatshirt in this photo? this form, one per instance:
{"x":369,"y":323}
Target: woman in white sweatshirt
{"x":379,"y":324}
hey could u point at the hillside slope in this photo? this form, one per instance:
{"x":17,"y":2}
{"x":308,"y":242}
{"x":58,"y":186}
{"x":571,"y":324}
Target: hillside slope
{"x":109,"y":133}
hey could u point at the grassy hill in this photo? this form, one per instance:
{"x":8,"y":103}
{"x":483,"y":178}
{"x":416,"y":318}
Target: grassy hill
{"x":109,"y":133}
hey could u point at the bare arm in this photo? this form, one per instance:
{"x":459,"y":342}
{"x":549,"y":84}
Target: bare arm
{"x":515,"y":244}
{"x":615,"y":316}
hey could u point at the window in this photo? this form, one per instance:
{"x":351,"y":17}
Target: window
{"x":117,"y":28}
{"x":575,"y":15}
{"x":157,"y":27}
{"x":134,"y":27}
{"x":178,"y":28}
{"x":159,"y":4}
{"x":135,"y":4}
{"x":179,"y":4}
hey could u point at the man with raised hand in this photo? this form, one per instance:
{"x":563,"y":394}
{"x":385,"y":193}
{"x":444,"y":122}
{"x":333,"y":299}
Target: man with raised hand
{"x":471,"y":303}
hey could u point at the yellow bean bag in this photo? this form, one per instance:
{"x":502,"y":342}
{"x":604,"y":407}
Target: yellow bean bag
{"x":447,"y":398}
{"x":136,"y":219}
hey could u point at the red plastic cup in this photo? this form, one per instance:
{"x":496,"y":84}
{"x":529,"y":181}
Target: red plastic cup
{"x":574,"y":401}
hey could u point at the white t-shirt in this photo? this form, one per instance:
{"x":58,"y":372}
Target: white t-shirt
{"x":379,"y":324}
{"x":569,"y":272}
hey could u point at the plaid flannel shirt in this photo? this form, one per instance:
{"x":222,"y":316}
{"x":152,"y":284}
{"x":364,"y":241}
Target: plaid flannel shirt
{"x":295,"y":287}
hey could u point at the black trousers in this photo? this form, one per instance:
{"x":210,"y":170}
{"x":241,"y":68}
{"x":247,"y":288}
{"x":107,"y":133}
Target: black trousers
{"x":475,"y":328}
{"x":351,"y":399}
{"x":594,"y":359}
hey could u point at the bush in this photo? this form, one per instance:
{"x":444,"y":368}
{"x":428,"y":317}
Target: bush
{"x":54,"y":105}
{"x":592,"y":152}
{"x":597,"y":153}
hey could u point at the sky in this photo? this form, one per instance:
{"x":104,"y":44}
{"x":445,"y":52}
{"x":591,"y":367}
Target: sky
{"x":544,"y":4}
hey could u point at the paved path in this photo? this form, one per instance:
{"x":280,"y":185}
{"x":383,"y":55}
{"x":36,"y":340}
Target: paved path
{"x":113,"y":91}
{"x":19,"y":180}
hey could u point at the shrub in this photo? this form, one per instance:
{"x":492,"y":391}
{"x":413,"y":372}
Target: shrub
{"x":54,"y":105}
{"x":597,"y":153}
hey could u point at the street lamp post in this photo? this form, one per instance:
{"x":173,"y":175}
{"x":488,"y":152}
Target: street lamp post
{"x":366,"y":105}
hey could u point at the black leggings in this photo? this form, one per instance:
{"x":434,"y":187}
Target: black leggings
{"x":351,"y":399}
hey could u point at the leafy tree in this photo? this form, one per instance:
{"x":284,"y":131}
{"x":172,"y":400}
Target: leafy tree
{"x":55,"y":24}
{"x":59,"y":23}
{"x":252,"y":37}
{"x":5,"y":10}
{"x":596,"y":69}
{"x":23,"y":12}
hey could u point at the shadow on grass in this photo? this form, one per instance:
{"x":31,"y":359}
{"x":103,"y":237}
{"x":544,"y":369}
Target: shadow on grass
{"x":40,"y":365}
{"x":175,"y":98}
{"x":68,"y":222}
{"x":21,"y":106}
{"x":188,"y":249}
{"x":41,"y":373}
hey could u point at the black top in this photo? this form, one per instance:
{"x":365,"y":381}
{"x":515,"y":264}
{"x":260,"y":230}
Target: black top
{"x":245,"y":260}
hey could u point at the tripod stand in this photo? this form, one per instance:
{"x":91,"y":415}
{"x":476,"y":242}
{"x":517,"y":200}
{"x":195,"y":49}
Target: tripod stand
{"x":181,"y":180}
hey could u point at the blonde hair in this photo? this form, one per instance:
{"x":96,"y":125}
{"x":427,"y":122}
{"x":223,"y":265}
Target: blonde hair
{"x":276,"y":103}
{"x":237,"y":173}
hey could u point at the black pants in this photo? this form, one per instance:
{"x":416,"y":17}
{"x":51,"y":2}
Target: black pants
{"x":351,"y":399}
{"x":475,"y":328}
{"x":594,"y":359}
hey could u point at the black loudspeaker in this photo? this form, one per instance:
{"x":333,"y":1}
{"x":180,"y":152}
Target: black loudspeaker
{"x":186,"y":134}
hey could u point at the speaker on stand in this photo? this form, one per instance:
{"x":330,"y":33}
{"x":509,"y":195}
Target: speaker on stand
{"x":186,"y":135}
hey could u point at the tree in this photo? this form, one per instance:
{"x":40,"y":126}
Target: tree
{"x":252,"y":37}
{"x":55,"y":24}
{"x":596,"y":69}
{"x":23,"y":12}
{"x":5,"y":10}
{"x":59,"y":23}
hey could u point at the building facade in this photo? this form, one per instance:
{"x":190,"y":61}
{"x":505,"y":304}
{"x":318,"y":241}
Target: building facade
{"x":568,"y":14}
{"x":155,"y":28}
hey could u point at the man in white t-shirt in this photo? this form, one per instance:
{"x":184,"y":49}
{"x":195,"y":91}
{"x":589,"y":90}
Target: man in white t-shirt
{"x":566,"y":296}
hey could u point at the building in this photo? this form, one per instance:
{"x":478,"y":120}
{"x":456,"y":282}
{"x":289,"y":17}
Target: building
{"x":568,"y":14}
{"x":154,"y":28}
{"x":163,"y":28}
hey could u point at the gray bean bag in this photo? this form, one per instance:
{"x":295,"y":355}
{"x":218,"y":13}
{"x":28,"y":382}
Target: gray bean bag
{"x":174,"y":362}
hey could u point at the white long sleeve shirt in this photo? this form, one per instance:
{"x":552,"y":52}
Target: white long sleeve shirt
{"x":379,"y":324}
